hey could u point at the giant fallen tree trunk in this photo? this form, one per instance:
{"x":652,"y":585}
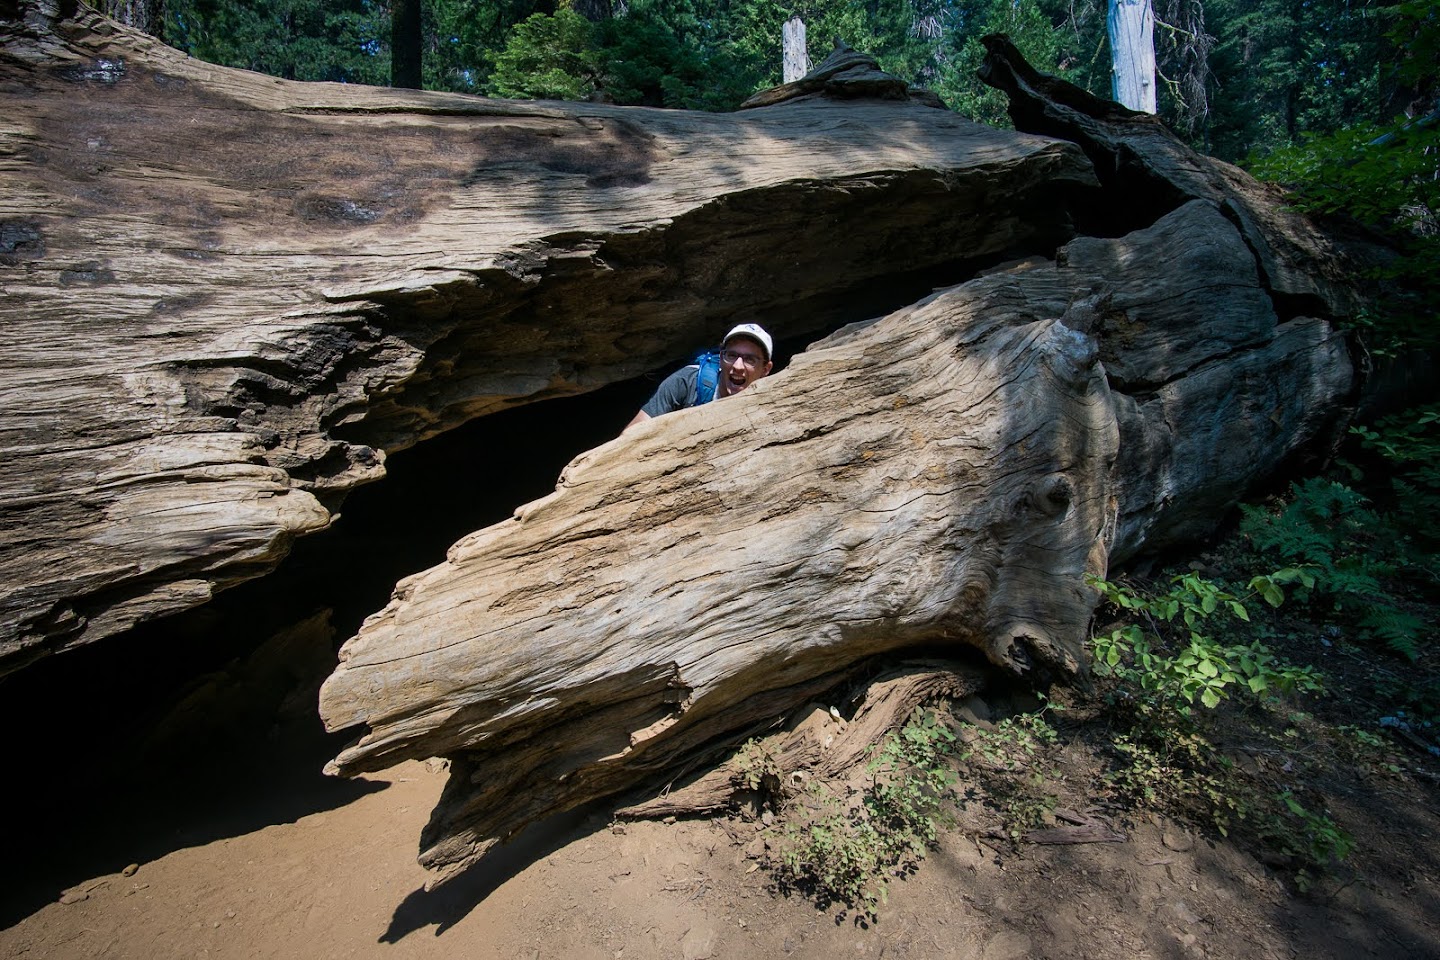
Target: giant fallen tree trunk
{"x":944,"y":477}
{"x":224,"y":297}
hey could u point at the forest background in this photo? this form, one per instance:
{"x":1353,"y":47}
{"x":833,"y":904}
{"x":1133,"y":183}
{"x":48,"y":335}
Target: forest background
{"x":1239,"y":78}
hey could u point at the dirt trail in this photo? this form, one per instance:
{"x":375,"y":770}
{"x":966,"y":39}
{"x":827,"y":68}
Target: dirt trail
{"x":342,"y":882}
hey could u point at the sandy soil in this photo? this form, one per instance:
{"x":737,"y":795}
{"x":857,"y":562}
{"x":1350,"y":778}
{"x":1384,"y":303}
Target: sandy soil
{"x":342,"y":882}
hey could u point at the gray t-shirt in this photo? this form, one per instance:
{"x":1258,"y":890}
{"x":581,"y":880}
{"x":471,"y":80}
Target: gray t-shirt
{"x":678,"y":391}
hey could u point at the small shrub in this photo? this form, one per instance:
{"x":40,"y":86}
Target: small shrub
{"x":1162,"y":665}
{"x":1168,"y":662}
{"x":1010,"y":763}
{"x":842,"y":848}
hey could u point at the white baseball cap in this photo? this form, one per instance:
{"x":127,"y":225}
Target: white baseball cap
{"x":755,"y":332}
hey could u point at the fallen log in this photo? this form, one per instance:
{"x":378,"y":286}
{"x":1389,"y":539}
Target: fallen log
{"x":1150,"y":171}
{"x":944,"y":477}
{"x":225,"y":297}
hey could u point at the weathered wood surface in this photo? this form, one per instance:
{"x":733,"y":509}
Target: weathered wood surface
{"x":225,"y":297}
{"x":942,"y":477}
{"x":1148,"y":171}
{"x":818,"y":742}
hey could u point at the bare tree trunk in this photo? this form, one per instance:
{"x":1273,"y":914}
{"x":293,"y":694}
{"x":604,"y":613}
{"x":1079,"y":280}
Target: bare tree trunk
{"x":1131,"y":25}
{"x":406,"y":45}
{"x":147,"y":16}
{"x":796,"y":58}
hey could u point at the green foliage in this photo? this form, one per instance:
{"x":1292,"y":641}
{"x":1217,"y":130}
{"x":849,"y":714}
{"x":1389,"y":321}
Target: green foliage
{"x":1167,"y":661}
{"x":1175,"y":766}
{"x":1409,"y":444}
{"x":1015,"y":741}
{"x":1040,"y":31}
{"x":1387,"y":177}
{"x":758,"y":768}
{"x":910,"y":780}
{"x":655,"y":56}
{"x":1284,"y":67}
{"x":1165,"y":753}
{"x":462,"y":38}
{"x":1011,"y":762}
{"x":549,"y":58}
{"x":1331,"y":531}
{"x":1313,"y":837}
{"x":842,"y":849}
{"x":345,"y":41}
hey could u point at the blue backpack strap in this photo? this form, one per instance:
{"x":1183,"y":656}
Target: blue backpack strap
{"x":707,"y":381}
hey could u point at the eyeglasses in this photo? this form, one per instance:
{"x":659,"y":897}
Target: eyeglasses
{"x":750,"y":360}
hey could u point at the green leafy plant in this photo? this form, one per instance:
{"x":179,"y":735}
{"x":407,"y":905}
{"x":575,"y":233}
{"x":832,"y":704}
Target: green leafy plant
{"x":549,"y":58}
{"x":1010,"y":759}
{"x":1385,"y":177}
{"x":1167,"y":660}
{"x":758,"y":768}
{"x":841,"y":848}
{"x":1311,"y":837}
{"x":1409,"y":445}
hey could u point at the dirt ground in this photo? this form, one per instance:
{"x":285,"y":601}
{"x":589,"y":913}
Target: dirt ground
{"x":342,"y":881}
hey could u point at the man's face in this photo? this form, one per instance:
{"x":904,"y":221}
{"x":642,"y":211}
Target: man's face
{"x":742,"y":362}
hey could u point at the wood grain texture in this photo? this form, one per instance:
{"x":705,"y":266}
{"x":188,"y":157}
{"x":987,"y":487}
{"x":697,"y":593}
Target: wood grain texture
{"x":941,"y":478}
{"x":225,"y":297}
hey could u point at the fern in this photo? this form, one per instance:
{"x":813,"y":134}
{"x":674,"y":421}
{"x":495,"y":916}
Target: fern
{"x":1332,"y":532}
{"x":1410,"y":443}
{"x":1395,"y":628}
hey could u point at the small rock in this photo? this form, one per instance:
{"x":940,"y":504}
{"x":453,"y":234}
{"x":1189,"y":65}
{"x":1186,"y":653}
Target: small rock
{"x":1175,"y":840}
{"x":1007,"y":946}
{"x":755,"y":849}
{"x":618,"y":829}
{"x":130,"y":870}
{"x":73,"y":896}
{"x":669,"y":819}
{"x":767,"y":818}
{"x":698,"y":943}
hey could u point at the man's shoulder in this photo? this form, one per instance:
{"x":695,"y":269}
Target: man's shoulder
{"x":676,"y":392}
